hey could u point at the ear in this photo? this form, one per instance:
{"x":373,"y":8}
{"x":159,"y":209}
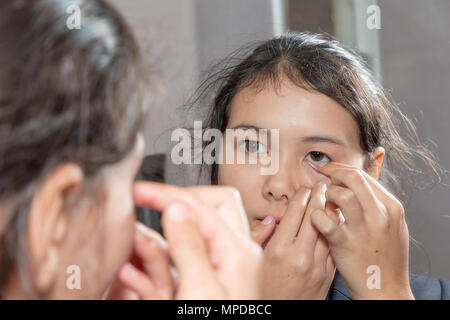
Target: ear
{"x":47,"y":223}
{"x":376,"y":163}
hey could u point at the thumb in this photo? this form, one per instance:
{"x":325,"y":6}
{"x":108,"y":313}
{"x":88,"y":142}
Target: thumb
{"x":328,"y":227}
{"x":262,"y":231}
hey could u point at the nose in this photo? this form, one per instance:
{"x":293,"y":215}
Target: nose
{"x":282,"y":185}
{"x":279,"y":187}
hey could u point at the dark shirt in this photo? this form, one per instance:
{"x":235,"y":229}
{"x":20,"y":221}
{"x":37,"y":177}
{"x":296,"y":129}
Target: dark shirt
{"x":423,"y":288}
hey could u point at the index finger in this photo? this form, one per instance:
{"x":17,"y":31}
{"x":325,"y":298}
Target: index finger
{"x":378,"y":189}
{"x":158,"y":196}
{"x":226,"y":201}
{"x":354,"y":179}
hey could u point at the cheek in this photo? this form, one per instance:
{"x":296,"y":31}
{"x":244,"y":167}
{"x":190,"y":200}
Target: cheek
{"x":120,"y":226}
{"x":245,"y":178}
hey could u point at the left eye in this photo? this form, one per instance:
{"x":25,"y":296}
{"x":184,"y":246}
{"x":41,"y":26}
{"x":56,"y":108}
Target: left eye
{"x":252,"y":146}
{"x":318,"y":157}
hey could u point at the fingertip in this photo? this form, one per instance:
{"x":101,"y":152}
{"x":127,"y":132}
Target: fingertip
{"x":127,"y":272}
{"x":177,"y":212}
{"x":268,"y":221}
{"x":262,"y":231}
{"x":140,"y":192}
{"x":138,"y":186}
{"x":320,"y":187}
{"x":176,"y":217}
{"x":146,"y":188}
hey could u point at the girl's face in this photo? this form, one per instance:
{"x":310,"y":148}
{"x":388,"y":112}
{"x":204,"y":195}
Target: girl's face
{"x":313,"y":129}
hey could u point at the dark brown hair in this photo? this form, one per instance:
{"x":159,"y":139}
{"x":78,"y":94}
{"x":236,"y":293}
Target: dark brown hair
{"x":65,"y":96}
{"x":318,"y":62}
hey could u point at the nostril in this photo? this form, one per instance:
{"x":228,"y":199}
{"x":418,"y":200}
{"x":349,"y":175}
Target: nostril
{"x":277,"y":196}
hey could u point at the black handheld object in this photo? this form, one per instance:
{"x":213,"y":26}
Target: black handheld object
{"x":152,"y":169}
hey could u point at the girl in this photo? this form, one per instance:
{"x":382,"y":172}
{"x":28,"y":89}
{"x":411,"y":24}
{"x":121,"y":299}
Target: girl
{"x":70,"y":120}
{"x":325,"y":207}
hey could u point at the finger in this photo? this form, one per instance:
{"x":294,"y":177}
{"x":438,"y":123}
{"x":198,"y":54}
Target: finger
{"x":382,"y":199}
{"x":263,"y":229}
{"x":228,"y":202}
{"x":225,"y":200}
{"x":330,"y":266}
{"x":187,"y":247}
{"x":321,"y":252}
{"x":289,"y":225}
{"x":347,"y":202}
{"x":138,"y":282}
{"x":333,"y":211}
{"x":355,"y":180}
{"x":307,"y":236}
{"x":328,"y":227}
{"x":153,"y":254}
{"x":380,"y":192}
{"x":228,"y":249}
{"x":118,"y":291}
{"x":158,"y":195}
{"x":392,"y":204}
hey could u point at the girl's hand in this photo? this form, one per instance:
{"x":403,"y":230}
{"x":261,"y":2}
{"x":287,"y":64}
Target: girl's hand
{"x":374,"y":236}
{"x":208,"y":240}
{"x":297,"y":262}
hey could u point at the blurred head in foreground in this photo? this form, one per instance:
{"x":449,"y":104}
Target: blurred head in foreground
{"x":70,"y":121}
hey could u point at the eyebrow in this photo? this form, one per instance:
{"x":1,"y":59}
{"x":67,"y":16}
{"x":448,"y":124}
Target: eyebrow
{"x":324,"y":139}
{"x":247,"y":127}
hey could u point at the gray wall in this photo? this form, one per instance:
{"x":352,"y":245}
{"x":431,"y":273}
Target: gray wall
{"x":415,"y":55}
{"x":181,"y":39}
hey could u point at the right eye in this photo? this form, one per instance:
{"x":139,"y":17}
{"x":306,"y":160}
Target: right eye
{"x":318,"y":157}
{"x":252,"y":146}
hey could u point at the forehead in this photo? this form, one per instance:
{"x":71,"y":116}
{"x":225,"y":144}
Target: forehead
{"x":293,"y":110}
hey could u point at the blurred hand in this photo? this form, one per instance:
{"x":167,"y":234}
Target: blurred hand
{"x":207,"y":238}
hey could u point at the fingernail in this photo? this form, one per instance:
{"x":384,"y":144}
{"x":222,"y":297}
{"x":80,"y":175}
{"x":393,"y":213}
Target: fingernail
{"x":341,"y":217}
{"x":267,"y":220}
{"x":177,"y":212}
{"x":141,"y":232}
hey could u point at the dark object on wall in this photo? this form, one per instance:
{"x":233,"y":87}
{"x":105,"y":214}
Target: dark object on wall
{"x":152,"y":169}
